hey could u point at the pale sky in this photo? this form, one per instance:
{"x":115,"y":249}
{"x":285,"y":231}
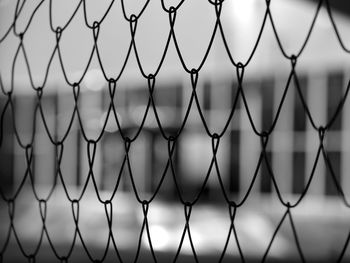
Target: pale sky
{"x":195,"y":21}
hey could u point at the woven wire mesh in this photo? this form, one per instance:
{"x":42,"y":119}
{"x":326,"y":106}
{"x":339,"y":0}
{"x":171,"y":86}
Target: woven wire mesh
{"x":126,"y":139}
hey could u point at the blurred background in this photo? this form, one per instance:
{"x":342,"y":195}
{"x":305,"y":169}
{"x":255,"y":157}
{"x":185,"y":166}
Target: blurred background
{"x":321,"y":219}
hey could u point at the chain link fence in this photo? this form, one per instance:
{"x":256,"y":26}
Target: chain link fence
{"x":185,"y":152}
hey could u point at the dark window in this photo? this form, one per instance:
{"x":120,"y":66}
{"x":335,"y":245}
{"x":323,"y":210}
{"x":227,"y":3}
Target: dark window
{"x":299,"y":111}
{"x":299,"y":123}
{"x":234,"y":162}
{"x":6,"y":149}
{"x":298,"y":172}
{"x":334,"y":158}
{"x":267,"y":90}
{"x":334,"y":95}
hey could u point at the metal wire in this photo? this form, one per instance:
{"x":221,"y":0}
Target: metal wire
{"x":239,"y":67}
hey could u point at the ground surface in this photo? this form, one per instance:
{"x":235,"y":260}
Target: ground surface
{"x":322,"y":227}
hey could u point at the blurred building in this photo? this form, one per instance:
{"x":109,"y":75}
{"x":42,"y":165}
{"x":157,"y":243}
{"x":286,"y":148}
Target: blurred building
{"x":322,"y":70}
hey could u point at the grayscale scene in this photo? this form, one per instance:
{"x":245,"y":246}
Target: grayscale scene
{"x":174,"y":131}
